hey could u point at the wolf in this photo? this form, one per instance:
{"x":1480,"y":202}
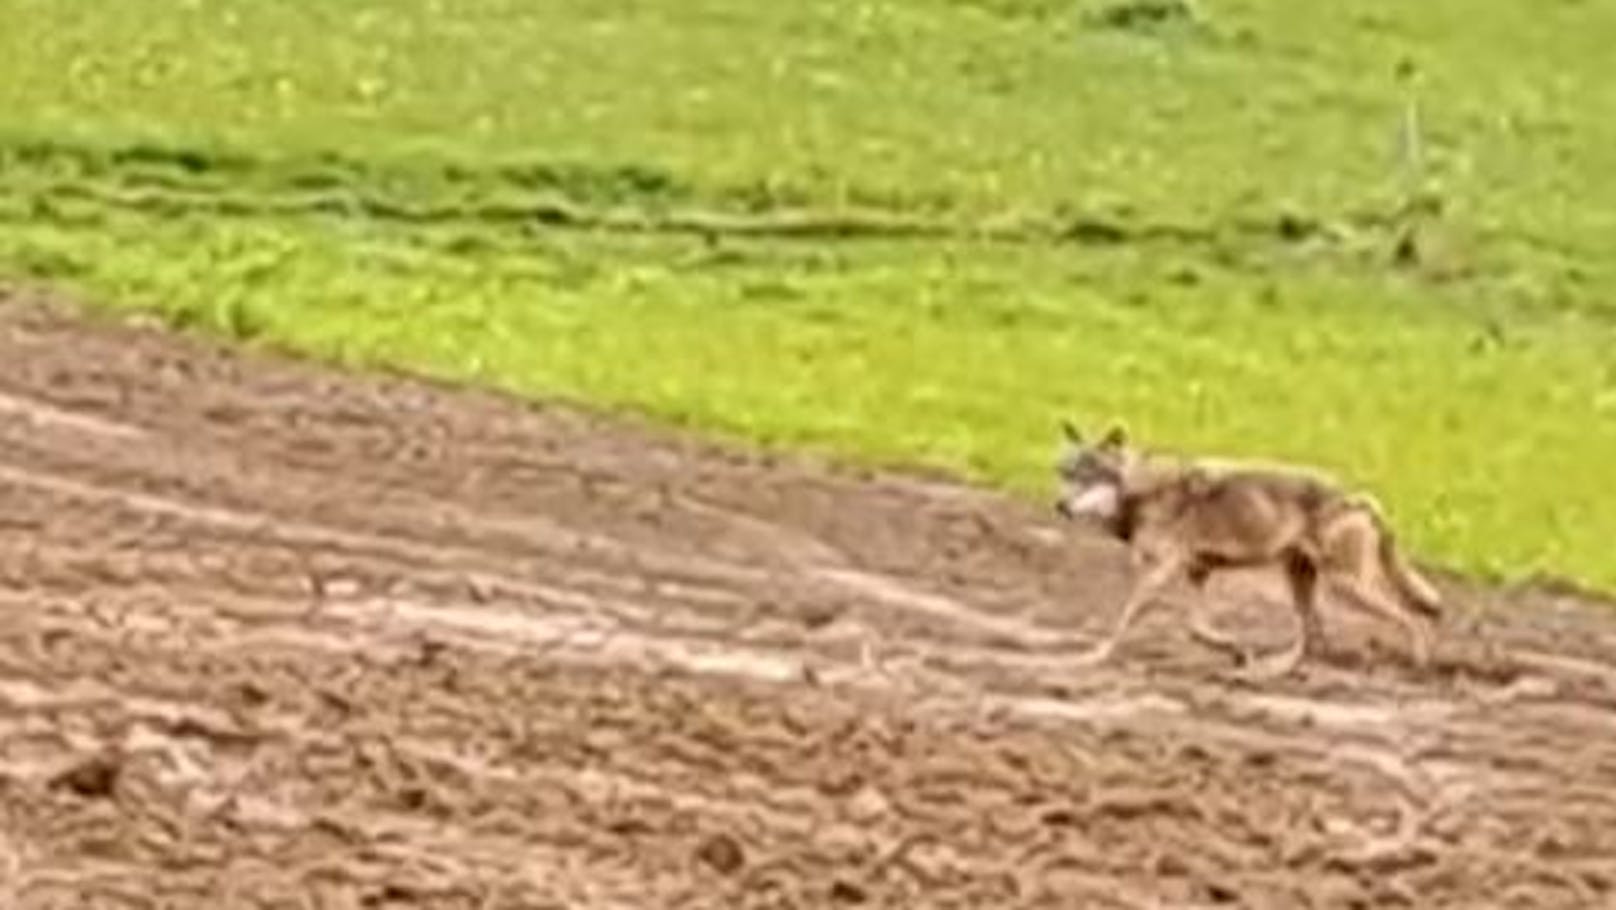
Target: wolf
{"x":1188,"y":519}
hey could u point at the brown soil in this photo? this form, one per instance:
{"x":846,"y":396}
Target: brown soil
{"x":275,"y":637}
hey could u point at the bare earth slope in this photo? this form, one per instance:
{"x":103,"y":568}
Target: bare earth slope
{"x":274,"y":637}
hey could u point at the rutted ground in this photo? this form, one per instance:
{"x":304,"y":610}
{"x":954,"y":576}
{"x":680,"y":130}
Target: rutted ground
{"x":278,"y":637}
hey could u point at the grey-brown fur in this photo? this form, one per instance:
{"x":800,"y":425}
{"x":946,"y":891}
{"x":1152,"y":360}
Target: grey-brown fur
{"x":1187,"y":519}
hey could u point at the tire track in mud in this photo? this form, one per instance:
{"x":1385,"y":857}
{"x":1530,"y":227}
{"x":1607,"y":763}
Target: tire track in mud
{"x":272,"y":635}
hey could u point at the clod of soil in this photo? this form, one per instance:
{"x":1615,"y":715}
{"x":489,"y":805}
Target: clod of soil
{"x":722,"y":853}
{"x":845,"y":892}
{"x":92,"y":778}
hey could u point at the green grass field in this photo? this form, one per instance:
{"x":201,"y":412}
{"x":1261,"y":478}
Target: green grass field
{"x":913,"y":231}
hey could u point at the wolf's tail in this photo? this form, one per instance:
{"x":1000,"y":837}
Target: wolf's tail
{"x":1409,"y":582}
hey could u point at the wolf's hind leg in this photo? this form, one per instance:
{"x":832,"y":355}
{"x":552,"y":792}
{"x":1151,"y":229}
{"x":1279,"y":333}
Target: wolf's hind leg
{"x":1365,"y":597}
{"x":1302,"y":576}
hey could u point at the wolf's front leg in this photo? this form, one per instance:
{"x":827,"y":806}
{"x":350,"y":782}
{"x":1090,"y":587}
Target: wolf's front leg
{"x":1160,"y":571}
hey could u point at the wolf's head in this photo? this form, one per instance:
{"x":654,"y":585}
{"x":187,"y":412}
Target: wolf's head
{"x":1092,"y":474}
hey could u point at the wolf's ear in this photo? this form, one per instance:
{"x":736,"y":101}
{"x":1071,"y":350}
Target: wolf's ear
{"x":1070,"y":431}
{"x":1115,"y":438}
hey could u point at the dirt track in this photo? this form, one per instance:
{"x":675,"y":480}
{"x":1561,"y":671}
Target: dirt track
{"x":274,"y":637}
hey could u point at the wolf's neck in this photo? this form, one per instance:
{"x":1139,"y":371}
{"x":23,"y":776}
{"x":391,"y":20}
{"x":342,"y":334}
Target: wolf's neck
{"x":1152,"y":472}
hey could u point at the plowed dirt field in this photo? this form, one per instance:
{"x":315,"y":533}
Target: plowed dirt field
{"x":272,"y":636}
